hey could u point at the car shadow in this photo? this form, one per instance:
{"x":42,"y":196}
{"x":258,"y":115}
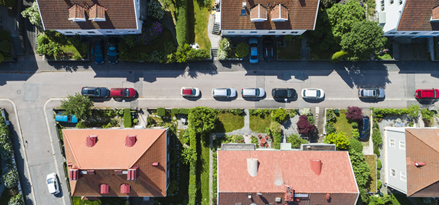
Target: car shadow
{"x":193,"y":98}
{"x":223,"y":99}
{"x":100,"y":99}
{"x":371,"y":100}
{"x":125,"y":99}
{"x":282,"y":100}
{"x":254,"y":98}
{"x":314,"y":100}
{"x":60,"y":193}
{"x":426,"y":101}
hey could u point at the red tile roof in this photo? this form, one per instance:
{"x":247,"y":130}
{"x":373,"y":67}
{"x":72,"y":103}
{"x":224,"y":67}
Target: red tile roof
{"x":97,"y":11}
{"x":416,"y":16}
{"x":76,"y":11}
{"x":435,"y":12}
{"x":301,"y":15}
{"x":422,"y":145}
{"x":120,"y":14}
{"x":110,"y":155}
{"x":276,"y":169}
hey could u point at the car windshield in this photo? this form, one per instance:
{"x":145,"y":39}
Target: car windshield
{"x":254,"y":57}
{"x":318,"y":93}
{"x":257,"y":92}
{"x":127,"y":92}
{"x":98,"y":91}
{"x":419,"y":93}
{"x":49,"y":181}
{"x":193,"y":92}
{"x":304,"y":93}
{"x":229,"y":92}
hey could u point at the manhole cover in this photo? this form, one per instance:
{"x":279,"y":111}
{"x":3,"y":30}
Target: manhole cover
{"x":18,"y":91}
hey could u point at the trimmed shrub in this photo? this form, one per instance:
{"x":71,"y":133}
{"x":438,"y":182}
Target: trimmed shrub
{"x":197,"y":54}
{"x":355,"y":145}
{"x":340,"y":140}
{"x":376,"y":137}
{"x":16,"y":200}
{"x":311,"y":119}
{"x":330,"y":116}
{"x":275,"y":127}
{"x":354,"y":113}
{"x":192,"y":184}
{"x":379,"y":165}
{"x":182,"y":26}
{"x":355,"y":133}
{"x":175,"y":111}
{"x":127,"y":118}
{"x":10,"y":175}
{"x":254,"y":140}
{"x":242,"y":50}
{"x":183,"y":111}
{"x":295,"y":141}
{"x":330,"y":128}
{"x":376,"y":151}
{"x":337,"y":56}
{"x":378,"y":174}
{"x":304,"y":126}
{"x":161,"y":111}
{"x":280,"y":115}
{"x":379,"y":184}
{"x":354,"y":125}
{"x":277,"y":140}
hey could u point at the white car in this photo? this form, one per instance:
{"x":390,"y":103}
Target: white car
{"x":224,"y":92}
{"x":253,"y":92}
{"x":52,"y":183}
{"x":312,"y":93}
{"x":190,"y":92}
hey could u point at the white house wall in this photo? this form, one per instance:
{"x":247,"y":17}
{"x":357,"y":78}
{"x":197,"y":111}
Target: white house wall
{"x":393,"y":13}
{"x":261,"y":32}
{"x":395,"y":158}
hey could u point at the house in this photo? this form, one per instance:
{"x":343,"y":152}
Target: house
{"x":87,"y":17}
{"x":411,"y":164}
{"x":409,"y":18}
{"x":264,"y":17}
{"x":117,"y":162}
{"x":285,"y":177}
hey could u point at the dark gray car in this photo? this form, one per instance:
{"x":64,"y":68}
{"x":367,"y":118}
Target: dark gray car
{"x":374,"y":93}
{"x":98,"y":92}
{"x":283,"y":93}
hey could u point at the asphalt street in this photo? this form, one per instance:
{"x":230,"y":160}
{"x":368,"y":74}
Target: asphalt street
{"x":34,"y":94}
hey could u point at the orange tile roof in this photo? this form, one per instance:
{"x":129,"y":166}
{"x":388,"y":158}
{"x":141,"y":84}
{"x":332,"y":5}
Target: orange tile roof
{"x":97,"y":11}
{"x":110,"y":154}
{"x":288,"y":167}
{"x":422,"y":145}
{"x":76,"y":11}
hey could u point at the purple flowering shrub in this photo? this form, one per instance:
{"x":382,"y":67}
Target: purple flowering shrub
{"x":150,"y":33}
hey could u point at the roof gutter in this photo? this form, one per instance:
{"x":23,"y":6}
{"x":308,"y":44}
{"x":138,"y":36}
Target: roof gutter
{"x":317,"y":12}
{"x":39,"y":11}
{"x":402,"y":12}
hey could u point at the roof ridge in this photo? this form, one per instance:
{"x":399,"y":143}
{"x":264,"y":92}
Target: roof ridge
{"x":71,"y":149}
{"x":138,"y":158}
{"x":437,"y":151}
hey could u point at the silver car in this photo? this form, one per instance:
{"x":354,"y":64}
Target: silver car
{"x":253,"y":92}
{"x":224,"y":92}
{"x":374,"y":93}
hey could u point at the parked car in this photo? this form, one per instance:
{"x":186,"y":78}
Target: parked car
{"x":123,"y":93}
{"x":7,"y":122}
{"x":312,"y":93}
{"x":98,"y":92}
{"x":60,"y":117}
{"x":427,"y":93}
{"x":374,"y":93}
{"x":52,"y":183}
{"x":224,"y":92}
{"x":97,"y":52}
{"x":112,"y":51}
{"x":283,"y":93}
{"x":365,"y":128}
{"x":268,"y":49}
{"x":253,"y":42}
{"x":253,"y":92}
{"x":190,"y":92}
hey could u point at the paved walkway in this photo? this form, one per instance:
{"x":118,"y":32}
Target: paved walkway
{"x":289,"y":127}
{"x":244,"y":130}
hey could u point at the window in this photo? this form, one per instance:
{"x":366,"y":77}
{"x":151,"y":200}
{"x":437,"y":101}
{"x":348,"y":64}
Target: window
{"x":435,"y":33}
{"x":392,"y":173}
{"x":392,"y":33}
{"x":391,"y":142}
{"x":109,"y":31}
{"x":401,"y":144}
{"x":131,"y":31}
{"x":167,"y":174}
{"x":402,"y":176}
{"x":413,"y":33}
{"x":253,"y":32}
{"x":403,"y":33}
{"x":272,"y":32}
{"x":283,"y":31}
{"x":68,"y":32}
{"x":90,"y":32}
{"x":230,"y":32}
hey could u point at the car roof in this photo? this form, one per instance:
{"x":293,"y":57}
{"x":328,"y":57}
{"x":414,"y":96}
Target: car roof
{"x":254,"y":51}
{"x":220,"y":91}
{"x":369,"y":92}
{"x":311,"y":92}
{"x":249,"y":91}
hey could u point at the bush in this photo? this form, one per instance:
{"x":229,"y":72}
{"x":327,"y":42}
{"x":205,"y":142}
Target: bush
{"x":295,"y":141}
{"x":260,"y":112}
{"x":127,"y":118}
{"x":2,"y":57}
{"x":10,"y":175}
{"x":182,"y":26}
{"x":221,"y":54}
{"x":311,"y":119}
{"x":413,"y":110}
{"x":183,"y":111}
{"x":376,"y":137}
{"x":355,"y":134}
{"x":155,"y":10}
{"x":382,"y":112}
{"x":197,"y":55}
{"x":340,"y":140}
{"x":189,"y":155}
{"x":304,"y":126}
{"x":161,"y":111}
{"x":305,"y":111}
{"x":77,"y":105}
{"x":242,"y":50}
{"x":275,"y":127}
{"x":175,"y":111}
{"x":354,"y":125}
{"x":355,"y":145}
{"x":379,"y":165}
{"x":338,"y":56}
{"x":379,"y":184}
{"x":5,"y":35}
{"x":376,"y":150}
{"x":186,"y":136}
{"x":277,"y":140}
{"x":378,"y":174}
{"x":354,"y":113}
{"x":5,"y":47}
{"x":254,"y":140}
{"x":427,"y":116}
{"x":330,"y":128}
{"x":172,"y":187}
{"x":150,"y":120}
{"x":224,"y":44}
{"x":361,"y":169}
{"x":81,"y":125}
{"x":330,"y":116}
{"x":202,"y":120}
{"x":31,"y":13}
{"x":280,"y":115}
{"x":16,"y":200}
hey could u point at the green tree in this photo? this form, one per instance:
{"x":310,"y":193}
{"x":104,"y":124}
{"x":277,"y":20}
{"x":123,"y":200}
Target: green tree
{"x":280,"y":115}
{"x":360,"y":167}
{"x":7,"y":3}
{"x":343,"y":16}
{"x":32,"y":14}
{"x":340,"y":140}
{"x":189,"y":155}
{"x":364,"y":38}
{"x":77,"y":105}
{"x":295,"y":141}
{"x":322,"y":35}
{"x":328,"y":3}
{"x":16,"y":200}
{"x":242,"y":50}
{"x":413,"y":111}
{"x":202,"y":119}
{"x":356,"y":145}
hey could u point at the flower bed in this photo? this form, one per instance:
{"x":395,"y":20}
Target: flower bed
{"x":56,"y":46}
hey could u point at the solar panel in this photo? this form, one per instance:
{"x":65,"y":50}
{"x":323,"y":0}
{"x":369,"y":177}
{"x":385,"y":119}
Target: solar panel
{"x":243,"y":12}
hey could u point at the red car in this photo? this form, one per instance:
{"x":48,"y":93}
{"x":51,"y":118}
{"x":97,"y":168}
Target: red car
{"x":123,"y":92}
{"x":427,"y":93}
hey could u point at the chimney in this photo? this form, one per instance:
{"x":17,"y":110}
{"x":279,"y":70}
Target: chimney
{"x":316,"y":166}
{"x":130,"y":140}
{"x":155,"y":164}
{"x":252,"y":166}
{"x":91,"y":140}
{"x":289,"y":194}
{"x":419,"y":164}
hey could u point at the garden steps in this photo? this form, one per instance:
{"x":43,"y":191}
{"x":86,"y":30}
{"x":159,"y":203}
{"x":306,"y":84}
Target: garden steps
{"x":214,"y":51}
{"x":17,"y":44}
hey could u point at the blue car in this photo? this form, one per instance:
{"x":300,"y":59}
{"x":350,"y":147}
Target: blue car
{"x":112,"y":51}
{"x":364,"y":134}
{"x":97,"y":52}
{"x":59,"y":117}
{"x":253,"y":42}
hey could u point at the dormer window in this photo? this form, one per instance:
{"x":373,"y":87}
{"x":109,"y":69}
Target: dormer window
{"x":258,"y":13}
{"x":279,"y":13}
{"x":97,"y":13}
{"x":77,"y":13}
{"x":435,"y":14}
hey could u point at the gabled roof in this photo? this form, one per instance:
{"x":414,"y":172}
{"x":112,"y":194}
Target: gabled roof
{"x":55,"y":14}
{"x":76,"y":12}
{"x":422,"y":145}
{"x":110,"y":154}
{"x":301,"y":15}
{"x":276,"y":169}
{"x":97,"y":12}
{"x":416,"y":16}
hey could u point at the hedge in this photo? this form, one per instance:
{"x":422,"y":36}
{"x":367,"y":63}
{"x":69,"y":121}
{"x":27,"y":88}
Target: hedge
{"x":181,"y":111}
{"x":182,"y":26}
{"x":379,"y":165}
{"x":172,"y":187}
{"x":161,"y":111}
{"x":382,"y":112}
{"x":277,"y":140}
{"x":127,"y":118}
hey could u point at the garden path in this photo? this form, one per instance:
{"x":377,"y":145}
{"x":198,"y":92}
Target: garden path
{"x":244,"y":130}
{"x":289,"y":127}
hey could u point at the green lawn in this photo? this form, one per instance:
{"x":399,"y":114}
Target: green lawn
{"x":258,"y":124}
{"x":183,"y":188}
{"x":203,"y":162}
{"x":198,"y":20}
{"x":291,"y":51}
{"x":71,"y":50}
{"x":227,"y":122}
{"x":400,"y":199}
{"x":371,"y":161}
{"x":342,"y":124}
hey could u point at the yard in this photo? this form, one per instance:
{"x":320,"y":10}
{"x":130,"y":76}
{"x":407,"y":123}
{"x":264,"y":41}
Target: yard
{"x":258,"y":124}
{"x":342,"y":124}
{"x":227,"y":122}
{"x":57,"y":46}
{"x":198,"y":20}
{"x":203,"y":168}
{"x":292,"y":49}
{"x":102,"y":201}
{"x":371,"y":161}
{"x":317,"y":54}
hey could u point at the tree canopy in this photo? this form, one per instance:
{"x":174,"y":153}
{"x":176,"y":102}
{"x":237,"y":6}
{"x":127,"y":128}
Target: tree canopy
{"x":343,"y":16}
{"x":77,"y":105}
{"x":361,"y":170}
{"x":202,"y":119}
{"x":32,"y":14}
{"x":340,"y":140}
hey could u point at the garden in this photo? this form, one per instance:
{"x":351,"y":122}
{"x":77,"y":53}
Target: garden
{"x":229,"y":120}
{"x":5,"y":46}
{"x":227,"y":49}
{"x":57,"y":46}
{"x":291,"y":48}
